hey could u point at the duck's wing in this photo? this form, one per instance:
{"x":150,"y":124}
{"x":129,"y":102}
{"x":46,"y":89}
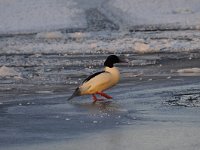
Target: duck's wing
{"x":99,"y":82}
{"x":77,"y":91}
{"x":92,"y":76}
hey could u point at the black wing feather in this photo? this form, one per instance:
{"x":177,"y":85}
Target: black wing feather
{"x":92,"y":76}
{"x":76,"y":93}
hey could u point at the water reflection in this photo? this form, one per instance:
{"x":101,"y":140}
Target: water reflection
{"x":101,"y":106}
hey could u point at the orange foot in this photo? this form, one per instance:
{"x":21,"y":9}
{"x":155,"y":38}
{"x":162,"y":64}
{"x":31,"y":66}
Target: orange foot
{"x":104,"y":95}
{"x":95,"y":99}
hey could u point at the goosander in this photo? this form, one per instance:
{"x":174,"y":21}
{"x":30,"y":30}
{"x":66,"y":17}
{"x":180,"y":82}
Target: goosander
{"x":100,"y":81}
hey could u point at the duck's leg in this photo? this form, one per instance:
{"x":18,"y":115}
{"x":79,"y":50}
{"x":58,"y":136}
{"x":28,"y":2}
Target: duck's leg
{"x":104,"y":95}
{"x":95,"y":98}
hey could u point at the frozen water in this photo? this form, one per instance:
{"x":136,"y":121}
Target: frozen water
{"x":164,"y":136}
{"x":189,"y":98}
{"x":138,"y":118}
{"x":153,"y":108}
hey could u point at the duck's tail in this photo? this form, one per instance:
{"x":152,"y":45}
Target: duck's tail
{"x":76,"y":93}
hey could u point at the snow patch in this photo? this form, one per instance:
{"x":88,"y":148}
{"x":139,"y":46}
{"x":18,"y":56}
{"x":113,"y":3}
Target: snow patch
{"x":141,"y":47}
{"x":5,"y":71}
{"x":150,"y":46}
{"x":189,"y":70}
{"x":50,"y":35}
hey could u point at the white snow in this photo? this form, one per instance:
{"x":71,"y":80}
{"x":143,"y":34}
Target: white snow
{"x":153,"y":12}
{"x":25,"y":16}
{"x":39,"y":15}
{"x":86,"y":43}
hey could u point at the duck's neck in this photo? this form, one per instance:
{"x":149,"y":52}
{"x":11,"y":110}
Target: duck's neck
{"x":114,"y":71}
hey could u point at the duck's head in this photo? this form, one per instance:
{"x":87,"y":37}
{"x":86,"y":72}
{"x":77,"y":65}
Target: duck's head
{"x":113,"y":59}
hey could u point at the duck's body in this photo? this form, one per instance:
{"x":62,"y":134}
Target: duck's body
{"x":100,"y":81}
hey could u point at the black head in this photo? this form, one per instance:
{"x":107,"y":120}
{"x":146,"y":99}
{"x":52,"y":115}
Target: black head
{"x":112,"y":59}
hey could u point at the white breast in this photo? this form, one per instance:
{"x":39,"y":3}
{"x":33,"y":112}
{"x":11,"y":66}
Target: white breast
{"x":101,"y":82}
{"x":114,"y":73}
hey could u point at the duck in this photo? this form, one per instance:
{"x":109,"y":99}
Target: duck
{"x":98,"y":82}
